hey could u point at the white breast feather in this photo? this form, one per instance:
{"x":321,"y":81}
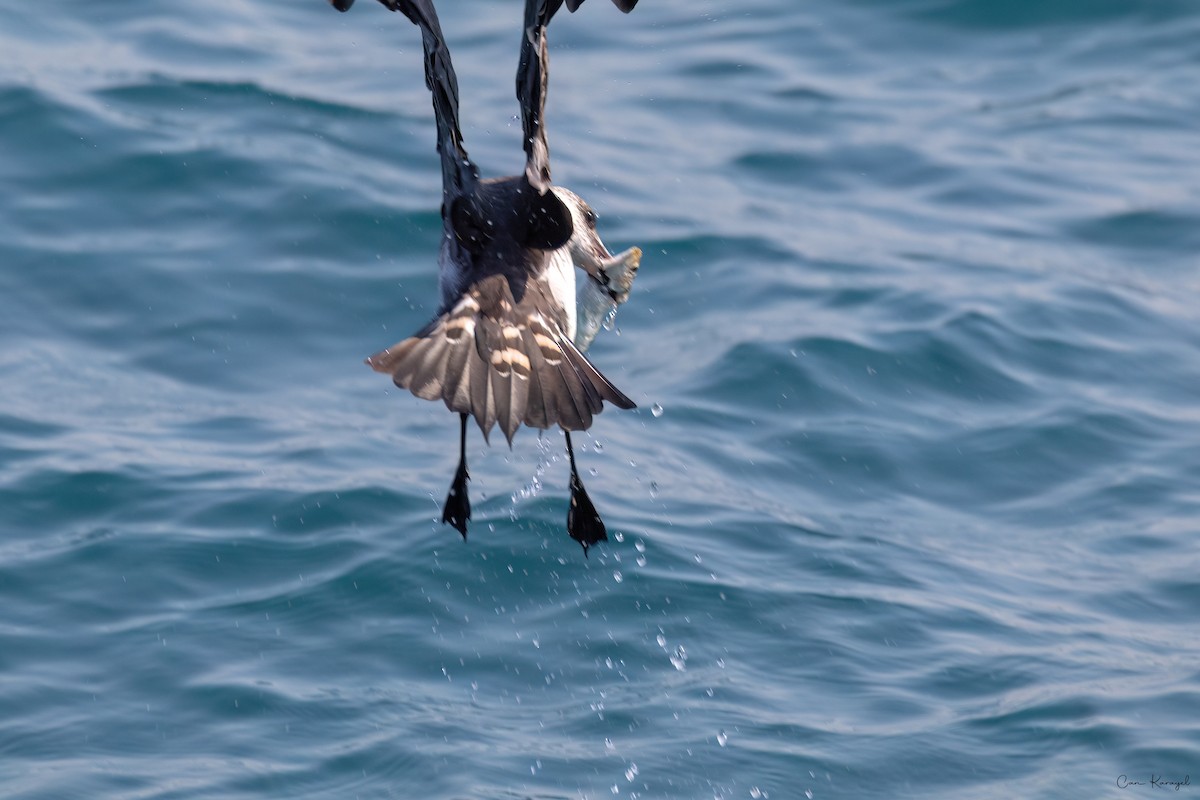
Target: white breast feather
{"x":559,"y":279}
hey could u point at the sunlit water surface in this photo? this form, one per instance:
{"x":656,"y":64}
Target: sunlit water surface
{"x":919,"y":305}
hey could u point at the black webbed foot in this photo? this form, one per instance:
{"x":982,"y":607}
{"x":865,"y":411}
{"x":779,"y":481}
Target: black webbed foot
{"x":457,"y":509}
{"x":583,"y":522}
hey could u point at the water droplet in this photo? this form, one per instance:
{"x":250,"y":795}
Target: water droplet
{"x":722,"y":738}
{"x":662,"y":641}
{"x":640,"y":546}
{"x":679,"y":658}
{"x":617,"y":576}
{"x":653,"y":489}
{"x":641,"y":561}
{"x":808,"y":794}
{"x":656,"y":410}
{"x":608,"y":744}
{"x":755,"y":792}
{"x":599,"y":447}
{"x":631,"y":773}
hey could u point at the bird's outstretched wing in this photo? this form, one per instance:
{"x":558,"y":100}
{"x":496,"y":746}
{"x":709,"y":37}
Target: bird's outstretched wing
{"x":533,"y":72}
{"x":459,"y":173}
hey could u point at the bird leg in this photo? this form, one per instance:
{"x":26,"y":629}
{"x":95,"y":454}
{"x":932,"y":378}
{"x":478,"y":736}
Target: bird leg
{"x":583,"y":523}
{"x":457,"y":509}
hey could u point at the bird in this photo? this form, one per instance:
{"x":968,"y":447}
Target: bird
{"x":506,"y":346}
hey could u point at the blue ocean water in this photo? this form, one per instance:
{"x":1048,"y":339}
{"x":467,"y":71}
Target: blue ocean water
{"x":919,"y":306}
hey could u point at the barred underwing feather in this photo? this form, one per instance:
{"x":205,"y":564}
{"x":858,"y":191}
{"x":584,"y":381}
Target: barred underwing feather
{"x":577,"y":415}
{"x":536,"y":415}
{"x":429,"y":369}
{"x":503,"y":363}
{"x":595,"y":379}
{"x":502,"y":398}
{"x":483,"y":407}
{"x":456,"y":387}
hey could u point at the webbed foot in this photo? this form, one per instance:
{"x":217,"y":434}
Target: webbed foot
{"x":457,"y":509}
{"x":583,"y":522}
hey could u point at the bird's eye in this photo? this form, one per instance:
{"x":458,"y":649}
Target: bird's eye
{"x":590,"y":216}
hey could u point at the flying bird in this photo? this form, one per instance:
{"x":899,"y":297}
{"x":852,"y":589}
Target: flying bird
{"x":506,"y":346}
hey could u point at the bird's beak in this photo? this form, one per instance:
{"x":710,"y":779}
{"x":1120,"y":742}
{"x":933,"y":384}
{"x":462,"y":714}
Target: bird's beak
{"x":590,"y":254}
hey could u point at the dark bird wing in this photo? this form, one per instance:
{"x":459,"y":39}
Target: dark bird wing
{"x":459,"y":173}
{"x":533,"y":73}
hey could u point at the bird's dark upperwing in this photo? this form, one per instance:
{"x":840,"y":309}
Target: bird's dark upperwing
{"x":544,"y":223}
{"x":548,"y":221}
{"x":533,"y":73}
{"x":459,"y":173}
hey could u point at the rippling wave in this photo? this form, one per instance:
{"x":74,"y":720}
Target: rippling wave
{"x":914,"y":513}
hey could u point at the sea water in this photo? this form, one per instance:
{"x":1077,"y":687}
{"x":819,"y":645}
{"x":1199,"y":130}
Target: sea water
{"x":909,"y":507}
